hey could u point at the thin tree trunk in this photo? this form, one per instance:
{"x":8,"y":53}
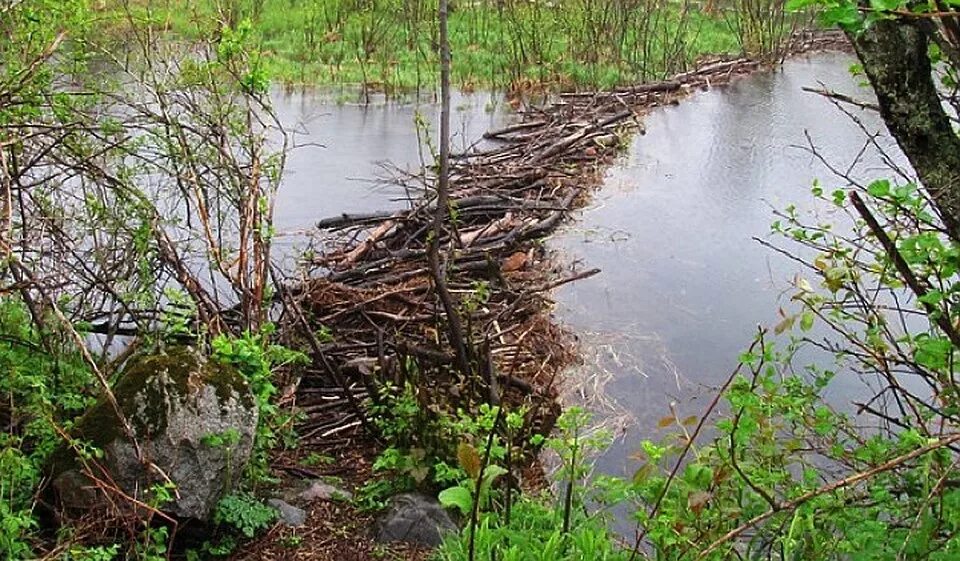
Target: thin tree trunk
{"x":455,"y":330}
{"x":895,"y":58}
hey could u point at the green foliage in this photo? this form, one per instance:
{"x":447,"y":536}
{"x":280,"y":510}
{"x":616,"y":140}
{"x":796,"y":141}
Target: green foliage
{"x":905,"y":512}
{"x":30,"y":29}
{"x":107,"y":221}
{"x":315,"y":459}
{"x":153,"y":544}
{"x":462,"y":495}
{"x":391,"y":44}
{"x":477,"y":297}
{"x":857,"y":16}
{"x":239,"y":516}
{"x":258,"y":360}
{"x":783,"y":474}
{"x":784,"y":456}
{"x":17,"y":474}
{"x":235,"y":55}
{"x":541,"y":528}
{"x":534,"y":534}
{"x":761,"y":460}
{"x":44,"y":391}
{"x":179,"y":315}
{"x":98,"y":553}
{"x":245,"y":514}
{"x":425,"y":444}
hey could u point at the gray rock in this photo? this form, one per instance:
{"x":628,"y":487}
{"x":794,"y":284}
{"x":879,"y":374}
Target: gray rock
{"x":194,"y":420}
{"x":415,"y":518}
{"x":318,"y":490}
{"x":289,"y":515}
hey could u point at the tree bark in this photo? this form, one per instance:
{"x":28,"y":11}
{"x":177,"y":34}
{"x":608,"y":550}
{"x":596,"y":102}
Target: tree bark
{"x":895,"y":58}
{"x":455,"y":331}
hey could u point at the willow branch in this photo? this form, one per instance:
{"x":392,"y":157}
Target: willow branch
{"x":829,"y":488}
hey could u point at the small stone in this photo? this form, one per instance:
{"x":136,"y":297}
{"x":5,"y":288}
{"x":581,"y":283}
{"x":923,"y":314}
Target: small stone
{"x":320,"y":491}
{"x":416,"y":519}
{"x":290,"y":515}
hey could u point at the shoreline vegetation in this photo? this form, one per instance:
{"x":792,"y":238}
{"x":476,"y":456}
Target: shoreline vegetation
{"x":410,"y":369}
{"x":390,"y":46}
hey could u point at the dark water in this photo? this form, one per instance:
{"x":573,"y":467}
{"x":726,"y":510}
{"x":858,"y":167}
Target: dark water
{"x":684,"y":286}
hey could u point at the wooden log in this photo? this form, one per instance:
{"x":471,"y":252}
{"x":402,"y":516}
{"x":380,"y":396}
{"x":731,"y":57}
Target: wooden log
{"x":345,"y":220}
{"x":658,"y":87}
{"x":514,"y":128}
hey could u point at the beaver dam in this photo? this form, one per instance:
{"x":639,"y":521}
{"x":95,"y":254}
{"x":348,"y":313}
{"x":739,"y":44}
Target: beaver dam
{"x":371,"y":284}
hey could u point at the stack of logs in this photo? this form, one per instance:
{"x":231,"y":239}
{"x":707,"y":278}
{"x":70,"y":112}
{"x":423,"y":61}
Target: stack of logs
{"x":375,"y":293}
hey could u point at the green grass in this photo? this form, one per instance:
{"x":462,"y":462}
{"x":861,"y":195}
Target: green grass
{"x":382,"y":44}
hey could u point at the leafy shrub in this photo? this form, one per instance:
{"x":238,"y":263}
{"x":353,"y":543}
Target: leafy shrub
{"x":534,"y":533}
{"x":783,"y":474}
{"x":542,"y":527}
{"x":258,"y":360}
{"x":244,"y":513}
{"x":43,"y":389}
{"x":424,"y":445}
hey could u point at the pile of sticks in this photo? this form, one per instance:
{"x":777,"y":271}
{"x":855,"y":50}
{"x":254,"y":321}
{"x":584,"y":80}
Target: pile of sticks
{"x":372,"y":288}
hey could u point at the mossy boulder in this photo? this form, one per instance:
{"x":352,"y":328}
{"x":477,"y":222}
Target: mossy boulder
{"x":194,"y":420}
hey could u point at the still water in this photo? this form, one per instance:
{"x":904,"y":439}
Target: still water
{"x":684,"y":286}
{"x":344,"y":152}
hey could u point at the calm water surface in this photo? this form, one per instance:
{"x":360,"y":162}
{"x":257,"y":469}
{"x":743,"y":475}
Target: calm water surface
{"x":684,"y":285}
{"x":338,"y":165}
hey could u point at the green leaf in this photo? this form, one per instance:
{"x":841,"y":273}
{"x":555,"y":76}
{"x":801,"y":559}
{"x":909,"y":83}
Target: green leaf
{"x":885,"y":5}
{"x":806,"y":320}
{"x":492,"y":472}
{"x":933,"y":298}
{"x":933,"y":352}
{"x":798,"y":5}
{"x":748,"y":358}
{"x":880,"y":188}
{"x":845,"y":15}
{"x":839,"y":197}
{"x":459,"y":497}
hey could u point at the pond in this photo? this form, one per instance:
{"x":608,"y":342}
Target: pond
{"x":684,"y":284}
{"x":344,"y":153}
